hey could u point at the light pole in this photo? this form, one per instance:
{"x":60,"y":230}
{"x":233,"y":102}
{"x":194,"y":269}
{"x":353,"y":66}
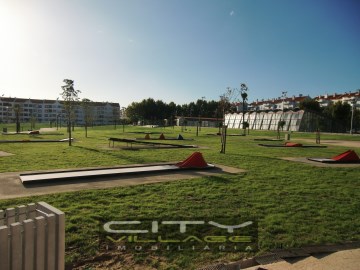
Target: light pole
{"x":7,"y":114}
{"x":243,"y":89}
{"x":283,"y":97}
{"x":199,"y":126}
{"x":57,"y":121}
{"x":353,"y":103}
{"x":123,"y":117}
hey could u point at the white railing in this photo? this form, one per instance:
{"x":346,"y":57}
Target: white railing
{"x":32,"y":237}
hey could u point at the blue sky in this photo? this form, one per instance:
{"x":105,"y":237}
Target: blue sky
{"x":178,"y":50}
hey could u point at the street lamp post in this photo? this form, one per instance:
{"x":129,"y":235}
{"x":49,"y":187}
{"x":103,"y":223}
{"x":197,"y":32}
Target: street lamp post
{"x":244,"y":95}
{"x":353,"y":103}
{"x":7,"y":114}
{"x":283,"y":97}
{"x":57,"y":121}
{"x":198,"y":128}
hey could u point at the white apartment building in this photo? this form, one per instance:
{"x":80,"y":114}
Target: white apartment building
{"x":52,"y":111}
{"x":281,"y":103}
{"x":351,"y":98}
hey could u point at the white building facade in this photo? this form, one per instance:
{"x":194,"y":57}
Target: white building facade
{"x":52,"y":111}
{"x":352,"y":98}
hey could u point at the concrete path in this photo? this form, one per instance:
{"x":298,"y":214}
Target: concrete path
{"x":341,"y":260}
{"x":334,"y":142}
{"x":12,"y":187}
{"x":320,"y":164}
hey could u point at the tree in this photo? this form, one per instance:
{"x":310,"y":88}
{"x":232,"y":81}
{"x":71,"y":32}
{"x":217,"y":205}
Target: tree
{"x":70,"y":97}
{"x":340,"y":114}
{"x":33,"y":121}
{"x":246,"y":125}
{"x":88,"y":113}
{"x":226,"y":99}
{"x":115,"y":115}
{"x":154,"y":112}
{"x":310,"y":104}
{"x":281,"y":125}
{"x":17,"y":110}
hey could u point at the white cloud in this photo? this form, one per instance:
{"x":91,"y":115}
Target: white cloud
{"x":232,"y":13}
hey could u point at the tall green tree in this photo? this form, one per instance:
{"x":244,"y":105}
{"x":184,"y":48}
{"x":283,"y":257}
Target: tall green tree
{"x":154,"y":112}
{"x":17,"y":109}
{"x":310,"y":105}
{"x":33,"y":121}
{"x":70,"y":97}
{"x":340,"y":114}
{"x":115,"y":115}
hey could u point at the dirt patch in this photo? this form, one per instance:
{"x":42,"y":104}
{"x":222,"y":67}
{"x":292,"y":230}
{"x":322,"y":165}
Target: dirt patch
{"x":335,"y":142}
{"x":320,"y":164}
{"x":118,"y":260}
{"x":5,"y":154}
{"x":47,"y":129}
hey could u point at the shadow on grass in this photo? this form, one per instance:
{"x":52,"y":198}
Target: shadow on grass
{"x":217,"y":179}
{"x":110,"y":153}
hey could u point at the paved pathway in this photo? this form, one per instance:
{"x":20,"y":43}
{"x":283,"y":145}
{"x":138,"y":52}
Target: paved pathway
{"x":12,"y":187}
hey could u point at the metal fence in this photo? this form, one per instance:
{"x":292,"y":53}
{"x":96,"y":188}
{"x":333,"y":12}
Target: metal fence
{"x":32,"y":237}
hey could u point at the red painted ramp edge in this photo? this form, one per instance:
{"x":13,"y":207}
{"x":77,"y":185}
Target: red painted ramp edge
{"x":291,"y":144}
{"x":196,"y":160}
{"x":349,"y":155}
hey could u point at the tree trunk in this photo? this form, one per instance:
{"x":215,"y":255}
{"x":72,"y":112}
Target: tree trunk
{"x":17,"y":123}
{"x":69,"y":128}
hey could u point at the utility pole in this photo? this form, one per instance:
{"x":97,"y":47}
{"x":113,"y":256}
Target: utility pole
{"x":353,"y":103}
{"x":244,"y":95}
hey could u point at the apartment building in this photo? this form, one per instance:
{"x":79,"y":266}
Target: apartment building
{"x":280,"y":103}
{"x":52,"y":111}
{"x":265,"y":114}
{"x":349,"y":97}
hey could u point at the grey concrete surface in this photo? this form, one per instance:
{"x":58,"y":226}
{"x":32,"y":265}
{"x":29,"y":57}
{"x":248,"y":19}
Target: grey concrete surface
{"x":12,"y":187}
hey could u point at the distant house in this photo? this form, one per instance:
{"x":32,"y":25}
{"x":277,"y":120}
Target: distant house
{"x":285,"y":103}
{"x":351,"y":97}
{"x":266,"y":114}
{"x":52,"y":111}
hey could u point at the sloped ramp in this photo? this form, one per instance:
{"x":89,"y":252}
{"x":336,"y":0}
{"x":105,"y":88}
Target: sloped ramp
{"x":349,"y":156}
{"x":292,"y":145}
{"x":195,"y":161}
{"x":149,"y":143}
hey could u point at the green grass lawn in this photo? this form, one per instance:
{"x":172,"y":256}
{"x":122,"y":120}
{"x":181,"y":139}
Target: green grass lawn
{"x":294,"y":204}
